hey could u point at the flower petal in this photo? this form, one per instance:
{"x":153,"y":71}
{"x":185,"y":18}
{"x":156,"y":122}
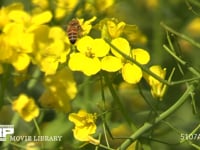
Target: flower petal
{"x":42,"y":18}
{"x":141,"y":56}
{"x":122,"y":44}
{"x":19,"y":16}
{"x":131,"y":73}
{"x":21,"y":62}
{"x":75,"y":61}
{"x":79,"y":62}
{"x":84,"y":126}
{"x":91,"y":66}
{"x":111,"y":63}
{"x":49,"y":65}
{"x":84,"y":44}
{"x":101,"y":48}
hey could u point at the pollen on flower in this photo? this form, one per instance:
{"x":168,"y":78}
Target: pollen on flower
{"x":89,"y":53}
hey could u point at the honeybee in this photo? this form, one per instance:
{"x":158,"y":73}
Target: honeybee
{"x":74,"y":30}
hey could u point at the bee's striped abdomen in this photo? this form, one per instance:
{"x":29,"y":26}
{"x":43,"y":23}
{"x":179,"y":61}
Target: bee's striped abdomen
{"x":73,"y":31}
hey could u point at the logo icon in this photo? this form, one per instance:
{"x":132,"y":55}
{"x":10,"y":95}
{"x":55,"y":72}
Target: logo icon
{"x":6,"y":130}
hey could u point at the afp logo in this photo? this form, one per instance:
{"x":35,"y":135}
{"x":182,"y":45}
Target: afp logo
{"x":6,"y":130}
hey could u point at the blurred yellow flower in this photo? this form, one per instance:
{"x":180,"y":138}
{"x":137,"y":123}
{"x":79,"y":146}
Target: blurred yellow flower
{"x":84,"y":126}
{"x":19,"y":36}
{"x":102,"y":5}
{"x":44,"y":4}
{"x":26,"y":107}
{"x":30,"y":22}
{"x":51,"y":48}
{"x":20,"y":45}
{"x":86,"y":25}
{"x":111,"y":28}
{"x":87,"y":59}
{"x":114,"y":29}
{"x":193,"y":27}
{"x":32,"y":145}
{"x":63,"y":7}
{"x":4,"y":13}
{"x":60,"y":90}
{"x":5,"y":50}
{"x":158,"y":89}
{"x":152,"y":4}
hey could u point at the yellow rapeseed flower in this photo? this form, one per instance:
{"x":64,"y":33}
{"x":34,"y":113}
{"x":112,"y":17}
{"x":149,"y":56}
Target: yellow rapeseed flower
{"x":20,"y":43}
{"x":44,"y":4}
{"x":111,"y":28}
{"x":87,"y":59}
{"x":19,"y":35}
{"x":84,"y":126}
{"x":60,"y":90}
{"x":122,"y":44}
{"x":152,"y":4}
{"x":63,"y":7}
{"x":134,"y":76}
{"x":30,"y":22}
{"x":5,"y":50}
{"x":193,"y":27}
{"x":26,"y":107}
{"x":50,"y":48}
{"x":157,"y":88}
{"x":86,"y":25}
{"x":111,"y":63}
{"x":102,"y":5}
{"x":4,"y":13}
{"x":131,"y":73}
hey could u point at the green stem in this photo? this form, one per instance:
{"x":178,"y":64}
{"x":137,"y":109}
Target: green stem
{"x":195,"y":146}
{"x":105,"y":147}
{"x":119,"y":103}
{"x":18,"y":146}
{"x":34,"y":79}
{"x":38,"y":131}
{"x":194,"y":2}
{"x":104,"y":108}
{"x":14,"y":121}
{"x":190,"y":68}
{"x":105,"y":136}
{"x":37,"y":127}
{"x":157,"y":35}
{"x":138,"y":64}
{"x":184,"y":81}
{"x":173,"y":55}
{"x":190,"y":40}
{"x":190,"y":6}
{"x":147,"y":126}
{"x":3,"y":83}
